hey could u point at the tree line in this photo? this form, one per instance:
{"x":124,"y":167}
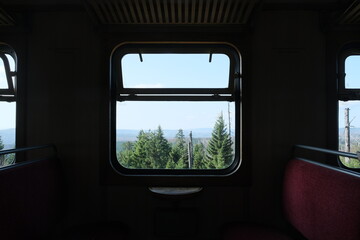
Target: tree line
{"x":152,"y":150}
{"x":6,"y":159}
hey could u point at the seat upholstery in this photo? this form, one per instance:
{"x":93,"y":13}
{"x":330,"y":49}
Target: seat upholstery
{"x":322,"y":202}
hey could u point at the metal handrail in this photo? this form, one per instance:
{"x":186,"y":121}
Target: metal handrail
{"x":333,"y":152}
{"x":17,"y":150}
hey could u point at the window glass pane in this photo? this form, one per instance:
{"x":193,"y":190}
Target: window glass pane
{"x":349,"y":131}
{"x":3,"y":80}
{"x":352,"y":71}
{"x":11,"y":62}
{"x":175,"y":71}
{"x":7,"y":131}
{"x":175,"y":135}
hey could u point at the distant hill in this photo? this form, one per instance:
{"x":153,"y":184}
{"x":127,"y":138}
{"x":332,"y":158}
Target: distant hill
{"x":353,"y":131}
{"x":8,"y":137}
{"x":130,"y":135}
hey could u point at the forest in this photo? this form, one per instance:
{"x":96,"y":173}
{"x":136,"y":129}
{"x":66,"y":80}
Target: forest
{"x":152,"y":150}
{"x":7,"y":159}
{"x":354,"y":148}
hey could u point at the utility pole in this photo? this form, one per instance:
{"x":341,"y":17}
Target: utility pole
{"x":229,"y":119}
{"x":347,"y":133}
{"x":190,"y":151}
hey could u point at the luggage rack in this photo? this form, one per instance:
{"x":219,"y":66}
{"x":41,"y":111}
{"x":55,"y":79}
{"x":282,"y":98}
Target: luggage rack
{"x":332,"y":152}
{"x":27,"y":155}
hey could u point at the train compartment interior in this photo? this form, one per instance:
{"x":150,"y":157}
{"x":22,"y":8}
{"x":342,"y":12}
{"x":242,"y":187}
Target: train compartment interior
{"x":134,"y":95}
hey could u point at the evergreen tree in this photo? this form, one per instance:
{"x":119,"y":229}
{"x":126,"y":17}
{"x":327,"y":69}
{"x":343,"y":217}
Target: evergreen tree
{"x":181,"y":164}
{"x":219,"y":150}
{"x":179,"y":154}
{"x":126,"y":156}
{"x":9,"y":159}
{"x":140,"y":156}
{"x":150,"y":151}
{"x":170,"y":164}
{"x":6,"y":159}
{"x":2,"y":157}
{"x":158,"y":149}
{"x":1,"y":144}
{"x":199,"y":156}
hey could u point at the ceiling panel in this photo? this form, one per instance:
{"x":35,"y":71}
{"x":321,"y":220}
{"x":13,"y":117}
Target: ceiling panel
{"x":171,"y":11}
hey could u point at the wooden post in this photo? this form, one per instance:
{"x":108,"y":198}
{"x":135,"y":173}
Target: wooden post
{"x":190,"y":151}
{"x":347,"y":133}
{"x":229,"y":119}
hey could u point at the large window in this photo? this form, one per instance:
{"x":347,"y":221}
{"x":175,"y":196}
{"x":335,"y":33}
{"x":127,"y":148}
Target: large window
{"x":349,"y":106}
{"x":175,"y":109}
{"x":7,"y":102}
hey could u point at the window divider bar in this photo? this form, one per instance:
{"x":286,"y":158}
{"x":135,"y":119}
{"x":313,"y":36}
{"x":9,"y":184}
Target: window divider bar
{"x":175,"y":91}
{"x":8,"y":74}
{"x":176,"y":98}
{"x":7,"y":98}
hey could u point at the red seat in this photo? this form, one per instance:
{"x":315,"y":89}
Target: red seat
{"x":321,"y":202}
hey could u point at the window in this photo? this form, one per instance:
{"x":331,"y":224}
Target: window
{"x":7,"y":102}
{"x":175,"y":109}
{"x":349,"y":107}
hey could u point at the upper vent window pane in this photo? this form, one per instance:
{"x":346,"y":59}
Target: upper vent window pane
{"x":352,"y":71}
{"x":4,"y":84}
{"x":175,"y":70}
{"x":3,"y":80}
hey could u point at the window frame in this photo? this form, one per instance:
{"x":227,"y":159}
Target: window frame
{"x":8,"y":94}
{"x":343,"y":93}
{"x":232,"y":93}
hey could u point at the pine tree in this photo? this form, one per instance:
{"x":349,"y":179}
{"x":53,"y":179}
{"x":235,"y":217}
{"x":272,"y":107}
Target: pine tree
{"x":182,"y":164}
{"x":170,"y":164}
{"x":219,"y":150}
{"x":140,"y":156}
{"x":1,"y":144}
{"x":126,"y":156}
{"x":6,"y":159}
{"x":179,"y":154}
{"x":2,"y":157}
{"x":158,"y":149}
{"x":199,"y":155}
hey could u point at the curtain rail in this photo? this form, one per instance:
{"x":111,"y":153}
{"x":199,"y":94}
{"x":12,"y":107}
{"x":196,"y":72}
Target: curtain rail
{"x":17,"y":150}
{"x":333,"y":152}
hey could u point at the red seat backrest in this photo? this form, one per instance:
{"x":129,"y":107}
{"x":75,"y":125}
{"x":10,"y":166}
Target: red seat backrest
{"x":31,"y":199}
{"x":322,"y":202}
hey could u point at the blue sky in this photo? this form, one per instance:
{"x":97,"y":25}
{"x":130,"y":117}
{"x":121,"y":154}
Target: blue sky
{"x":352,"y":80}
{"x":187,"y":115}
{"x":7,"y":110}
{"x":7,"y":119}
{"x":354,"y":113}
{"x":172,"y":115}
{"x":174,"y":71}
{"x":159,"y":71}
{"x":352,"y":69}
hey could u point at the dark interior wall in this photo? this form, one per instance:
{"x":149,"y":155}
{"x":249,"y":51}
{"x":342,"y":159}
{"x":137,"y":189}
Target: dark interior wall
{"x":286,"y":101}
{"x":64,"y":101}
{"x":288,"y":96}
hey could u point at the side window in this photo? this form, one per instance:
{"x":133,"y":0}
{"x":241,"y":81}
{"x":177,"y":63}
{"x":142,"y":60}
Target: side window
{"x":349,"y":106}
{"x":175,"y":109}
{"x":7,"y":102}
